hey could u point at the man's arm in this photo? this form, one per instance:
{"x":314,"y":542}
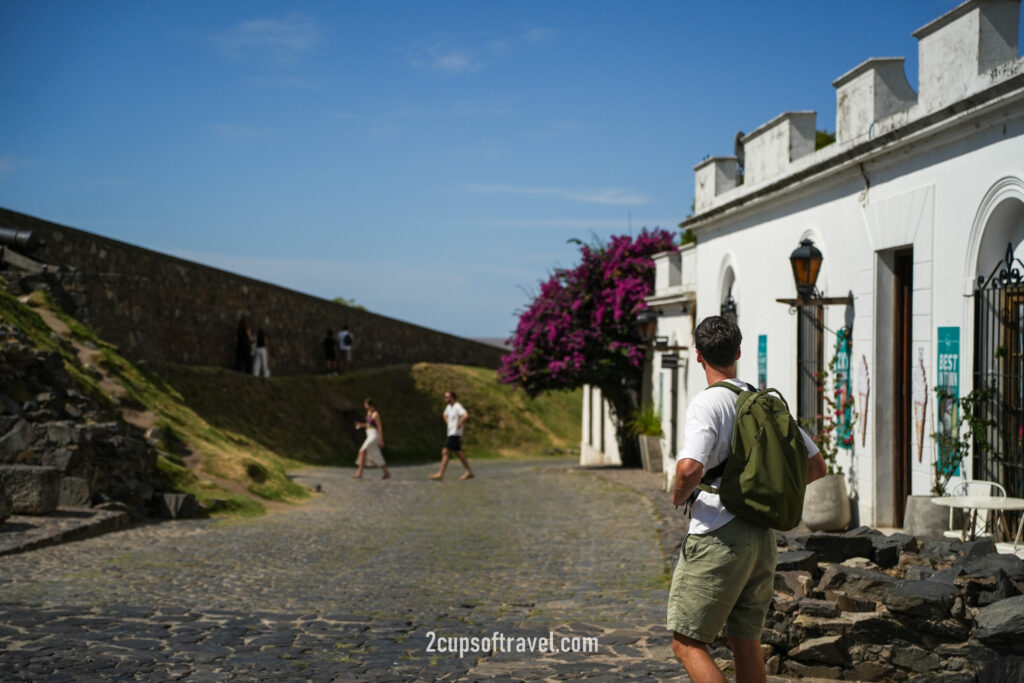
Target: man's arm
{"x":462,"y":419}
{"x":816,"y":468}
{"x":688,"y":475}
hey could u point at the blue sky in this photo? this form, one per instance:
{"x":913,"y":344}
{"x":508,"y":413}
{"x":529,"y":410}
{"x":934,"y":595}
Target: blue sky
{"x":428,"y":159}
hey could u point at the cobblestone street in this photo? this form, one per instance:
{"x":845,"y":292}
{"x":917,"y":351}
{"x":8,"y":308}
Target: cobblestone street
{"x":352,"y":585}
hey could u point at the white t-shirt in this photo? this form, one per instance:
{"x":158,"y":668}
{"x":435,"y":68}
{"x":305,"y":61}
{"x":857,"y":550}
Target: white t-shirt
{"x":452,"y":413}
{"x":342,"y":343}
{"x":707,"y":438}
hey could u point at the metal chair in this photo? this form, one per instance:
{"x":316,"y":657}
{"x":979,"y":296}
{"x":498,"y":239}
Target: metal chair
{"x":979,"y":487}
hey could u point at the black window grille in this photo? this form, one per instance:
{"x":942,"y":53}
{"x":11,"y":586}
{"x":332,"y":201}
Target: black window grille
{"x":999,"y":365}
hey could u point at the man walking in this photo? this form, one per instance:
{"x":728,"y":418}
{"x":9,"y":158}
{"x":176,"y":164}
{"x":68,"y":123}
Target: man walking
{"x":454,"y":417}
{"x":726,"y":570}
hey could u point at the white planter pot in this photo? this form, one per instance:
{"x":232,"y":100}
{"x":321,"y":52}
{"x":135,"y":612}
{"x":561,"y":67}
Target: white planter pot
{"x":921,"y":517}
{"x":826,"y":504}
{"x":650,"y":452}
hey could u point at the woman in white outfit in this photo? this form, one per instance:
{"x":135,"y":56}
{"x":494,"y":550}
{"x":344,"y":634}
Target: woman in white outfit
{"x":370,"y":454}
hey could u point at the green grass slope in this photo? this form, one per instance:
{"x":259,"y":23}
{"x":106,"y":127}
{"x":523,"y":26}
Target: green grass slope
{"x":311,"y":418}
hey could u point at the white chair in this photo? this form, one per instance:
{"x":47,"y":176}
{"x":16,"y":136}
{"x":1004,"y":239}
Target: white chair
{"x":978,"y":487}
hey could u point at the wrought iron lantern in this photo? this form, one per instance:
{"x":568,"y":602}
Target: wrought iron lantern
{"x":806,"y":262}
{"x":647,"y":322}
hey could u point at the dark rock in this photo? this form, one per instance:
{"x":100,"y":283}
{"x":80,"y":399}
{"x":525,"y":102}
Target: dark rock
{"x":795,"y":583}
{"x":825,"y":650}
{"x":848,"y":603}
{"x":797,"y":560}
{"x":838,"y":547}
{"x":34,"y":490}
{"x":796,"y":669}
{"x":818,"y":608}
{"x":6,"y":504}
{"x":978,"y":548}
{"x":1001,"y":625}
{"x":926,"y":599}
{"x":880,"y":629}
{"x":17,"y":440}
{"x":1008,"y":669}
{"x":177,"y":505}
{"x":1012,"y":565}
{"x":915,"y":658}
{"x":948,"y":576}
{"x":863,"y":584}
{"x":947,"y":677}
{"x":918,"y":573}
{"x":64,"y":459}
{"x":74,"y":492}
{"x":868,"y":671}
{"x":981,"y":590}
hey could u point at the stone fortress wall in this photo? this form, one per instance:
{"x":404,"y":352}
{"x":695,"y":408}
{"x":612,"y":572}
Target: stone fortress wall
{"x":162,"y":309}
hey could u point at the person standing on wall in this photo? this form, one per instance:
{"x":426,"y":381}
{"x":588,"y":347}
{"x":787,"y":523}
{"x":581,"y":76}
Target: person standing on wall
{"x":725,"y":573}
{"x":345,"y":348}
{"x":454,"y":417}
{"x":244,"y":346}
{"x":330,"y":345}
{"x":260,"y":367}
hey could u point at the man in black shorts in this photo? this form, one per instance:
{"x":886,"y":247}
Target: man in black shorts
{"x":454,"y":417}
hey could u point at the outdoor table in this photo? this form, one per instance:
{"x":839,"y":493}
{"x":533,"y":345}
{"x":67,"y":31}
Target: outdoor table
{"x":974,"y":503}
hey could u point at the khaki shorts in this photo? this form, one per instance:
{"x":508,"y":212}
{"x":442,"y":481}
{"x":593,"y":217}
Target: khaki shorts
{"x":723,"y":578}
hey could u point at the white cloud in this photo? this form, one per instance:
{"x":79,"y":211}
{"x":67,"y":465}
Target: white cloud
{"x":446,"y":59}
{"x":445,"y":56}
{"x":539,"y":35}
{"x":611,"y":196}
{"x":284,"y":39}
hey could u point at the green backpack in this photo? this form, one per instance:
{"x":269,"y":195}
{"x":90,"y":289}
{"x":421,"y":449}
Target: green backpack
{"x":764,"y":477}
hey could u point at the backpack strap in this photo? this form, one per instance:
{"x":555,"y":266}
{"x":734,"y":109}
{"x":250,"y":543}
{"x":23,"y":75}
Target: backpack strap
{"x":716,"y":471}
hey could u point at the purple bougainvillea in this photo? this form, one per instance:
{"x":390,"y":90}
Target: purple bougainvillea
{"x":581,"y":328}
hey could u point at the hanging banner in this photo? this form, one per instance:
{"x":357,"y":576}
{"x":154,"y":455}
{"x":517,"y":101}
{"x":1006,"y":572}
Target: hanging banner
{"x":762,"y":361}
{"x":844,"y":424}
{"x":948,"y":394}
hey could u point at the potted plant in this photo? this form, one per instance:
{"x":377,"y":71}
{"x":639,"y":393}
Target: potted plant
{"x":961,"y":422}
{"x":645,"y":425}
{"x":826,"y":502}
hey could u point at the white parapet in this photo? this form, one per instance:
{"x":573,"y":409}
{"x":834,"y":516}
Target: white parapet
{"x":870,"y":92}
{"x":958,"y":51}
{"x":666,"y":270}
{"x":770,"y":149}
{"x":712,"y":177}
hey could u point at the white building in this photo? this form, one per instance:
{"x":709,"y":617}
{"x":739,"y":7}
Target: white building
{"x":918,"y":198}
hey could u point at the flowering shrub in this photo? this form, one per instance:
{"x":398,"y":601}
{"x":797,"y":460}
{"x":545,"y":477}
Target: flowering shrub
{"x":581,"y":328}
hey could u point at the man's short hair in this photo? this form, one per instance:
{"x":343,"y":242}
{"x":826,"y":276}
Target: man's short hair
{"x":718,"y":340}
{"x":452,"y":392}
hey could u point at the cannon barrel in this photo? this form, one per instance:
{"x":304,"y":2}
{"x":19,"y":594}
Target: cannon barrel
{"x":19,"y":239}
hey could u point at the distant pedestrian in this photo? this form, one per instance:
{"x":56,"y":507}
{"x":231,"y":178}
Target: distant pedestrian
{"x":260,"y":367}
{"x":370,"y":454}
{"x":330,"y":345}
{"x":345,"y":342}
{"x":244,"y":346}
{"x":454,"y":417}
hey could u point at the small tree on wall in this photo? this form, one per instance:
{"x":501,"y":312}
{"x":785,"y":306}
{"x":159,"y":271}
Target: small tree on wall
{"x":581,"y":328}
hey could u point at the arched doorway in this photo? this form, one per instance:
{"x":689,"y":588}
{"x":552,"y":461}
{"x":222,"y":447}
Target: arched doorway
{"x":999,"y":339}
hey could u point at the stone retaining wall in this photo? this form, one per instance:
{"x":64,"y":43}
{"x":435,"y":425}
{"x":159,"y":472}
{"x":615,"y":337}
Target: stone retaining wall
{"x":160,"y":309}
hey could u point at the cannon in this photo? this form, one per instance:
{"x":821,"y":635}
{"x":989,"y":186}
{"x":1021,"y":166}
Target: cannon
{"x":19,"y":239}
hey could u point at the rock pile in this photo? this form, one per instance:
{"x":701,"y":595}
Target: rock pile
{"x":865,"y":606}
{"x":60,"y":445}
